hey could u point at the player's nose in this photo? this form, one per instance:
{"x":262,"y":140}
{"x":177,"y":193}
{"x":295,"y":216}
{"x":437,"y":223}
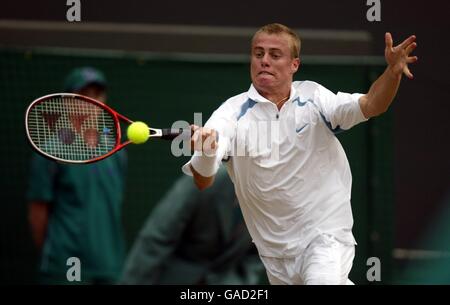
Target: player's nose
{"x":265,"y":60}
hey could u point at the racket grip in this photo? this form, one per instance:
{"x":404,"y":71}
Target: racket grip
{"x":172,"y":133}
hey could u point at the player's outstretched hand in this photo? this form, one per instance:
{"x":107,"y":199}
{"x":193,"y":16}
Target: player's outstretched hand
{"x":398,"y":57}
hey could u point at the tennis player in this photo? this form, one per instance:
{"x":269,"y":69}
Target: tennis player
{"x":295,"y":202}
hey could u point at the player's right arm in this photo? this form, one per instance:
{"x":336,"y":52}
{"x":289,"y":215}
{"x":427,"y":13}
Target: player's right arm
{"x":211,"y":144}
{"x":200,"y":181}
{"x":205,"y":144}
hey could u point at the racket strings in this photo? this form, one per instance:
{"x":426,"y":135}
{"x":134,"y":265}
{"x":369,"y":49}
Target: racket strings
{"x":71,"y":128}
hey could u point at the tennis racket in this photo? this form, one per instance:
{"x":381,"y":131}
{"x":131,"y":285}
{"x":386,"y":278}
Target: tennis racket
{"x":73,"y":128}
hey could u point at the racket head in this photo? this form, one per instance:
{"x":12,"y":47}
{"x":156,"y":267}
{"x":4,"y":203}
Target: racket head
{"x":73,"y":128}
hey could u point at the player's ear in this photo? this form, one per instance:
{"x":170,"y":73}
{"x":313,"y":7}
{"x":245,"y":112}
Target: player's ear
{"x":295,"y":65}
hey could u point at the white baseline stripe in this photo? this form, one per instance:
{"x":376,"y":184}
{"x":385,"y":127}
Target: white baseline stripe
{"x":419,"y":254}
{"x":194,"y":57}
{"x":171,"y":29}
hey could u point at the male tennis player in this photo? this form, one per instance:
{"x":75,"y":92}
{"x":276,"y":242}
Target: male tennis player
{"x":296,"y":202}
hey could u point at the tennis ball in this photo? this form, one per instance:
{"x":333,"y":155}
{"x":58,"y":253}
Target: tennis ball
{"x":138,"y":132}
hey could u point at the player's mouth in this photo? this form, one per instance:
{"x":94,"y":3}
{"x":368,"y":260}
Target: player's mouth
{"x":265,"y":73}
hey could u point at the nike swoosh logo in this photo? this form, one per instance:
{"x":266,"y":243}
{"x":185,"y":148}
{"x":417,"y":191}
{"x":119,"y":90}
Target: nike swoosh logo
{"x":301,"y":128}
{"x":301,"y":104}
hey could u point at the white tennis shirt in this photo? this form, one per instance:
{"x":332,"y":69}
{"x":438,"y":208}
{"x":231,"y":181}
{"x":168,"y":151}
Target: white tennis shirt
{"x":299,"y":184}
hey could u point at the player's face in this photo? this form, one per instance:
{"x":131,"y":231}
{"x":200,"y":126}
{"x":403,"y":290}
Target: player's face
{"x":272,"y":65}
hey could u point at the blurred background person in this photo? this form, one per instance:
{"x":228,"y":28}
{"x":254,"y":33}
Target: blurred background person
{"x":195,"y":237}
{"x":75,"y":210}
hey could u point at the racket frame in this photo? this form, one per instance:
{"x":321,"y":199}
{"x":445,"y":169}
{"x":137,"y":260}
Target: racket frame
{"x":116,"y":116}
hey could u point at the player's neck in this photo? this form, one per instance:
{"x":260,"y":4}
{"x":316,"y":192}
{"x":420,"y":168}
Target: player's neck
{"x":278,"y":98}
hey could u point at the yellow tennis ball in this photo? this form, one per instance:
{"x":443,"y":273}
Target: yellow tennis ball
{"x":138,"y":132}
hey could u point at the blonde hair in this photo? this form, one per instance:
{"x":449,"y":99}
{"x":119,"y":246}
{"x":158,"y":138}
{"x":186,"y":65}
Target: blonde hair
{"x":277,"y":28}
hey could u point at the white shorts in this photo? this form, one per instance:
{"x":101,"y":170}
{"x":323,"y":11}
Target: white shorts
{"x":326,"y":261}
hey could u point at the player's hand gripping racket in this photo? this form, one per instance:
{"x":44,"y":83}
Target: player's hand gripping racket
{"x":77,"y":129}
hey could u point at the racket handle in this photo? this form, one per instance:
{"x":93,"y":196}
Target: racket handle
{"x":172,"y":133}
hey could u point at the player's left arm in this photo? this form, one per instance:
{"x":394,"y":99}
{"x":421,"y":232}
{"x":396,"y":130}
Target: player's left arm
{"x":384,"y":89}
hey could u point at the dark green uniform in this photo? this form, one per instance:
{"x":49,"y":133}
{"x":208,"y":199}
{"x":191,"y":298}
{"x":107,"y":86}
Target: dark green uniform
{"x":195,"y":237}
{"x":84,"y":219}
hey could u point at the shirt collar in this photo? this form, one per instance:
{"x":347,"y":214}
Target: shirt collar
{"x":254,"y":95}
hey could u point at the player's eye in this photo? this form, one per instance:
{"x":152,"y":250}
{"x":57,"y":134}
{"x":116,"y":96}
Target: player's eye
{"x":275,"y":55}
{"x":259,"y":54}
